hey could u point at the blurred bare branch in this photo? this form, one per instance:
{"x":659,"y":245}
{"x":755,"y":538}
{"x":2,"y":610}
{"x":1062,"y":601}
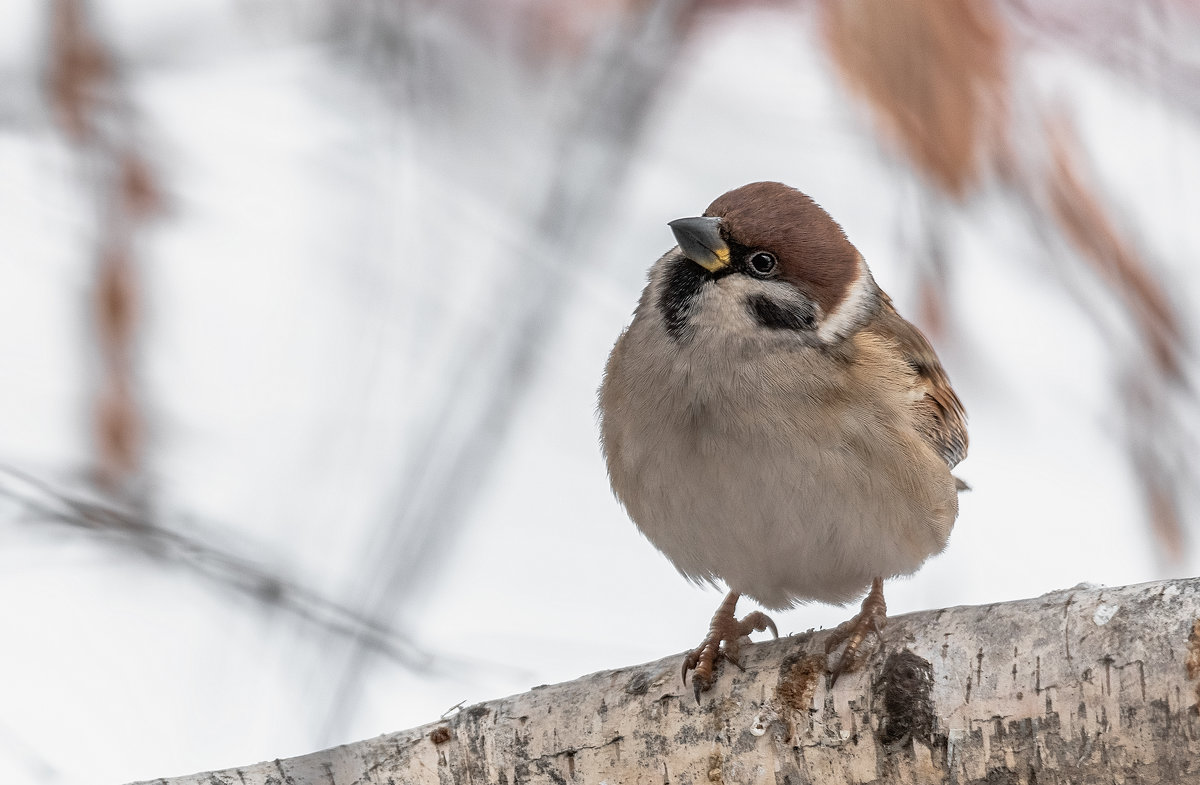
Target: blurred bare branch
{"x":1149,"y":45}
{"x":197,"y":552}
{"x":1162,"y":461}
{"x":611,"y":90}
{"x":1086,"y":222}
{"x":37,"y":766}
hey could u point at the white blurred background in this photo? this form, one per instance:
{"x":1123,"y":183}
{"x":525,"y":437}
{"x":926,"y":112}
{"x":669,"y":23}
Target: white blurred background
{"x":304,"y":304}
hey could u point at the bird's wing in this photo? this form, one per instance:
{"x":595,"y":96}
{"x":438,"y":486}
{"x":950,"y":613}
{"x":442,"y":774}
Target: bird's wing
{"x":940,"y":415}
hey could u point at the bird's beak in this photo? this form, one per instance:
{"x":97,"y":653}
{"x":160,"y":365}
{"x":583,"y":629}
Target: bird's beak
{"x":700,"y":240}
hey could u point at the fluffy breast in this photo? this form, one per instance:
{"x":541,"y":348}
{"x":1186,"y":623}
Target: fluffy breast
{"x":770,"y":464}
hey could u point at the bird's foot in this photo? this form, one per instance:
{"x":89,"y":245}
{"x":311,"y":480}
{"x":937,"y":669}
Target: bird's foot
{"x":870,"y":620}
{"x":726,"y":629}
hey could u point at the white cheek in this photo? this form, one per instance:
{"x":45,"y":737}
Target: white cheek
{"x":859,"y":300}
{"x":724,"y":306}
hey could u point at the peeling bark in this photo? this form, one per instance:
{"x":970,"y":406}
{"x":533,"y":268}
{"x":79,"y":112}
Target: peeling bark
{"x":1086,"y":685}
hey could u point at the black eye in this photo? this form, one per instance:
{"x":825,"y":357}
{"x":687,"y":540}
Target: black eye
{"x":762,"y":263}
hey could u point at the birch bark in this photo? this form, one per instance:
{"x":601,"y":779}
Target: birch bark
{"x":1086,"y":685}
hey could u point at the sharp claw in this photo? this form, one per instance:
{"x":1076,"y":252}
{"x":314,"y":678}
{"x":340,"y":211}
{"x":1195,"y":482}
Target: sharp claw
{"x":726,"y":629}
{"x":854,"y":633}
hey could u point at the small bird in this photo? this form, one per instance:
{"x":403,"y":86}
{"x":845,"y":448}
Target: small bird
{"x":771,"y":422}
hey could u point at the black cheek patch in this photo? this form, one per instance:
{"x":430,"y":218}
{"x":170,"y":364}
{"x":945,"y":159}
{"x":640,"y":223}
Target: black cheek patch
{"x":781,"y":316}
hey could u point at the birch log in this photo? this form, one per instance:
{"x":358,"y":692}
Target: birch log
{"x":1087,"y":685}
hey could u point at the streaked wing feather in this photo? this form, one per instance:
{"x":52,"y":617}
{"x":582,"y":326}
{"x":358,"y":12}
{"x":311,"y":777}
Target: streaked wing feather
{"x":941,"y":417}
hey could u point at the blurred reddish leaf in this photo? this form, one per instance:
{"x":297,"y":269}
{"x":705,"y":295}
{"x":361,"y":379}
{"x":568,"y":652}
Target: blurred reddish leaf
{"x":80,"y":75}
{"x":934,"y":74}
{"x":115,"y":302}
{"x":139,"y":186}
{"x":78,"y":68}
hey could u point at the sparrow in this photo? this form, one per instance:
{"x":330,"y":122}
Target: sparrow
{"x":770,"y":422}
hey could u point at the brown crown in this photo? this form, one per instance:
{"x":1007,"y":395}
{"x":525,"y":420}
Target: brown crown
{"x":813,"y":252}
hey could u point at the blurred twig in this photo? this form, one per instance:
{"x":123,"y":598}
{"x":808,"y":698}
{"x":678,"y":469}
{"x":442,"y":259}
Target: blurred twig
{"x":1149,"y":45}
{"x":134,"y":530}
{"x":608,"y":92}
{"x":38,"y":766}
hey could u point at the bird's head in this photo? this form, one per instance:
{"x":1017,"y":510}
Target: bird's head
{"x":768,"y":257}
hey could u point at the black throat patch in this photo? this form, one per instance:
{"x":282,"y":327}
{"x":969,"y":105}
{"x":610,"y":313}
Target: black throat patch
{"x":684,"y":281}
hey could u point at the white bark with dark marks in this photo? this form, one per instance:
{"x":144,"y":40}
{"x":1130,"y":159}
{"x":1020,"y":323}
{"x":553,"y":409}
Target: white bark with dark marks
{"x":1086,"y":685}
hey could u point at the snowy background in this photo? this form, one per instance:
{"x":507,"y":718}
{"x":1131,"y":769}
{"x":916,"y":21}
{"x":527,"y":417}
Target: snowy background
{"x":390,"y":251}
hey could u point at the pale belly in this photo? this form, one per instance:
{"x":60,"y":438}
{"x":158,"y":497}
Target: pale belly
{"x":811,"y":509}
